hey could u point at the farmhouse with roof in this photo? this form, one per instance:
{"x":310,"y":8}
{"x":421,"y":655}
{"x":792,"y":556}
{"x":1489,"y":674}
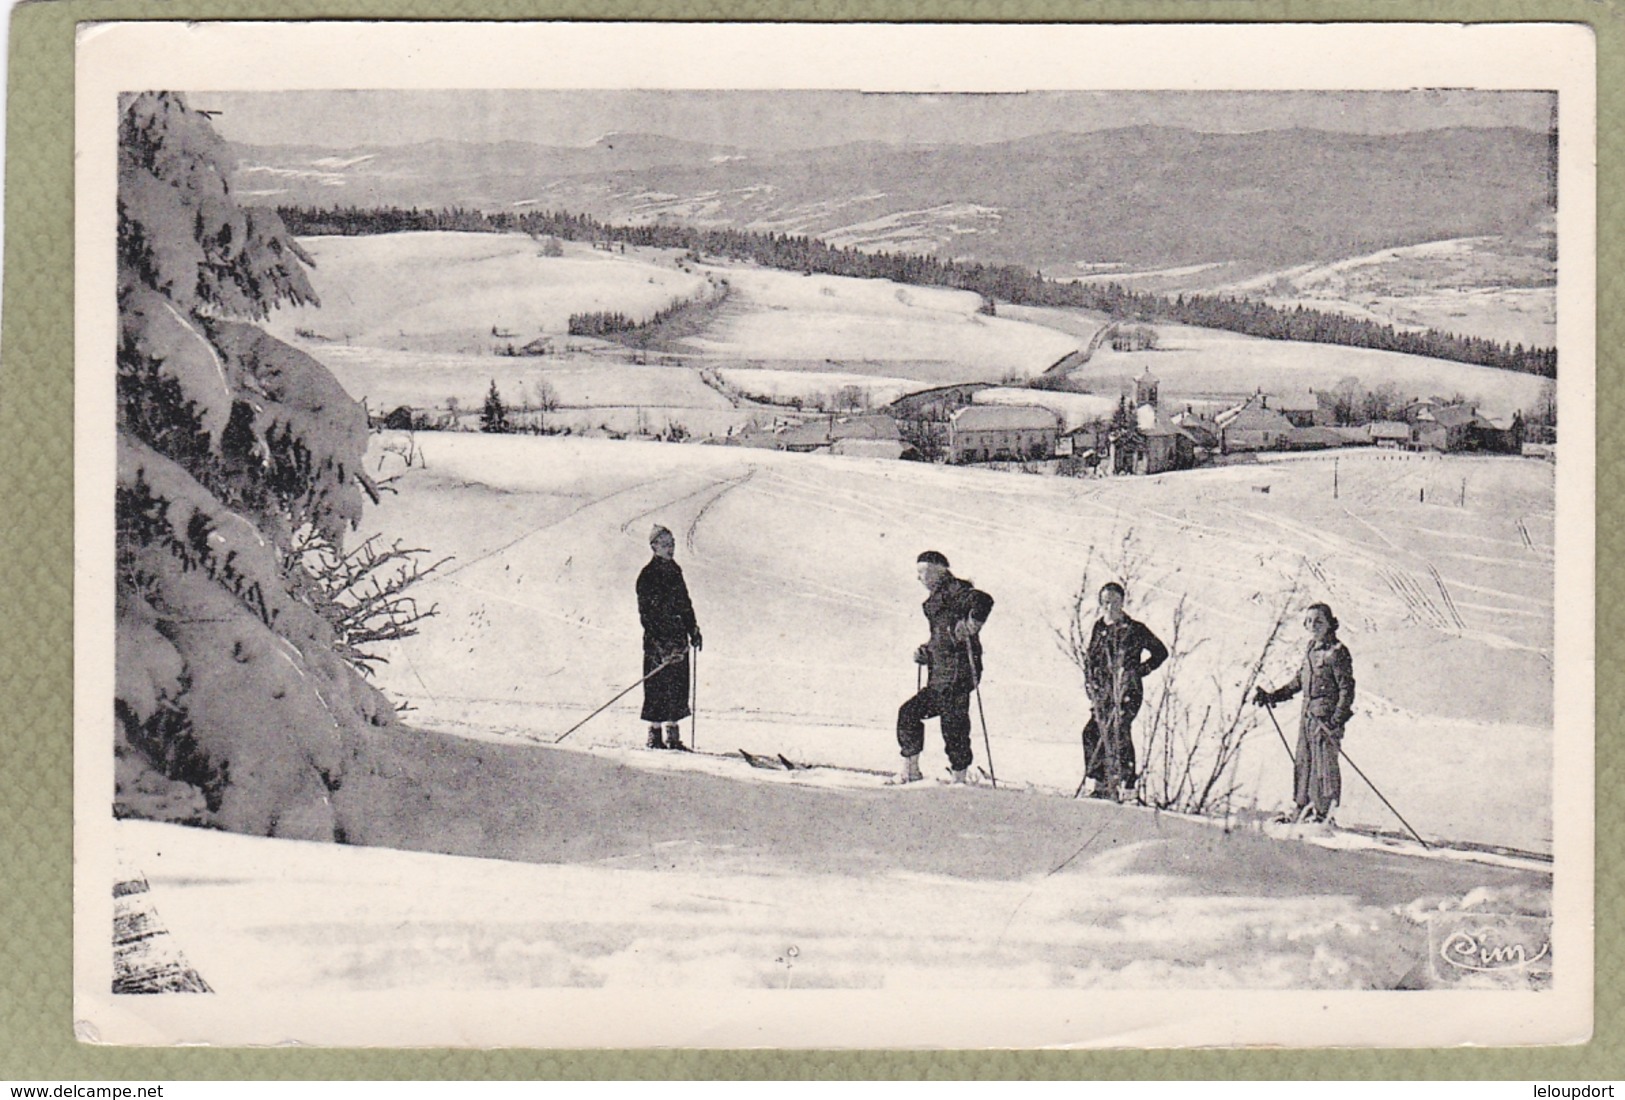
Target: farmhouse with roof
{"x":1301,"y":407}
{"x":1313,"y":439}
{"x":823,"y":433}
{"x":984,"y":433}
{"x":1390,"y":433}
{"x":1451,"y":428}
{"x":1251,"y":427}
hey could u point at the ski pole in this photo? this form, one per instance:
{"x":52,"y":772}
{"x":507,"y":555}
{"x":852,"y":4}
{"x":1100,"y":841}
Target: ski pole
{"x":1279,"y":732}
{"x":992,"y":776}
{"x":694,"y":714}
{"x":1085,"y":780}
{"x":1385,"y":802}
{"x":661,"y":667}
{"x":1344,"y":754}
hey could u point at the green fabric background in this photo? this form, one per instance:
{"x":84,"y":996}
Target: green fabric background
{"x":36,"y":556}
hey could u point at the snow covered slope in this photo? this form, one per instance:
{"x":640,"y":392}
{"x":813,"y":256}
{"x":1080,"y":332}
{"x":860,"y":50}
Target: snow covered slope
{"x":533,"y":868}
{"x":443,"y":292}
{"x":802,"y":570}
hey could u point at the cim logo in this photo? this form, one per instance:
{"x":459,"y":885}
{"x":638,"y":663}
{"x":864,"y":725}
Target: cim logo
{"x":1517,"y":948}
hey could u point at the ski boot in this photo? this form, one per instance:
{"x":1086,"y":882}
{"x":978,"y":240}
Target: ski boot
{"x":674,"y":739}
{"x":910,"y":774}
{"x":958,"y":778}
{"x":654,"y":741}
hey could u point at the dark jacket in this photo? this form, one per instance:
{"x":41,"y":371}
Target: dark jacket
{"x":952,"y":669}
{"x":1120,"y":656}
{"x":664,"y":608}
{"x":1326,"y":679}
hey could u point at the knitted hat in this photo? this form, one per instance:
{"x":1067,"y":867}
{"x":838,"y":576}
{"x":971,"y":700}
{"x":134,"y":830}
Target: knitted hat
{"x":659,"y":533}
{"x":933,"y":557}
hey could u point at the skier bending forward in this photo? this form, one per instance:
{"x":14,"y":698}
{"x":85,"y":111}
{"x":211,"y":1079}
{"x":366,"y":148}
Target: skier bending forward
{"x":956,"y":610}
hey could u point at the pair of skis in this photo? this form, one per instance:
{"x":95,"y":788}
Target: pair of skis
{"x":1293,"y":757}
{"x":780,"y":762}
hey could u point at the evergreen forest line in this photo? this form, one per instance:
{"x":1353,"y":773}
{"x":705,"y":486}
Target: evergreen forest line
{"x":999,"y":283}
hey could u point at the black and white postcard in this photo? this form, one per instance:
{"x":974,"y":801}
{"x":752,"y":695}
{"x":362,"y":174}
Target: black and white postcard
{"x":734,"y":535}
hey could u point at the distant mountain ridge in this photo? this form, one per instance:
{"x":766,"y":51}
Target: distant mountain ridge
{"x":1140,"y":198}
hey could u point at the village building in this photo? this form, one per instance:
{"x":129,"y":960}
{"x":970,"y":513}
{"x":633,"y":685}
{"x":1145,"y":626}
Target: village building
{"x":1313,"y":439}
{"x":984,"y":433}
{"x":1204,"y":432}
{"x":1146,"y":392}
{"x":1301,"y":407}
{"x":1155,"y":444}
{"x":1390,"y":433}
{"x":1162,"y":447}
{"x":1083,"y":447}
{"x":1415,"y":410}
{"x":824,"y":433}
{"x":1498,"y":435}
{"x":400,"y":418}
{"x":923,"y":415}
{"x":1451,"y":428}
{"x":1251,"y":427}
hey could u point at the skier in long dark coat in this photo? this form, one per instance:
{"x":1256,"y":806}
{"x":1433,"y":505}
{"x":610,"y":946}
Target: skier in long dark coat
{"x":1326,"y":679}
{"x":955,"y":610}
{"x":668,"y":631}
{"x":1122,"y":653}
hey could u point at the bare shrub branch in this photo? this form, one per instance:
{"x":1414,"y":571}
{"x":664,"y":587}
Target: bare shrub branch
{"x":362,"y":594}
{"x":1192,"y":732}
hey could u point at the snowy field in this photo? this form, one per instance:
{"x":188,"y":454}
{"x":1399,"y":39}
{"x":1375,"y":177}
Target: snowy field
{"x":1077,"y":323}
{"x":802,"y":571}
{"x":591,"y":392}
{"x":781,"y":385}
{"x":1198,"y":361}
{"x":408,"y":319}
{"x":872,"y":326}
{"x":386,"y":379}
{"x":448,"y":291}
{"x":1492,"y":287}
{"x":917,"y":231}
{"x":491,"y":864}
{"x":625,"y":872}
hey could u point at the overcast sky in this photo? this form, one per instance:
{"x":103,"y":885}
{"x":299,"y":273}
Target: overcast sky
{"x":795,"y":119}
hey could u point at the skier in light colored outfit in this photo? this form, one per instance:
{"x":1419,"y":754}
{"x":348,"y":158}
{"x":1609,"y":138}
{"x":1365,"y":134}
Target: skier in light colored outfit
{"x":1326,"y":679}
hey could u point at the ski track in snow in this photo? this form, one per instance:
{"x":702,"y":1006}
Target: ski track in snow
{"x":1105,"y":902}
{"x":726,"y":488}
{"x":759,"y":528}
{"x":560,"y":521}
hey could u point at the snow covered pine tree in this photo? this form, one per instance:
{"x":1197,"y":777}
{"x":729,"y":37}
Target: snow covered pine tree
{"x":233,"y":708}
